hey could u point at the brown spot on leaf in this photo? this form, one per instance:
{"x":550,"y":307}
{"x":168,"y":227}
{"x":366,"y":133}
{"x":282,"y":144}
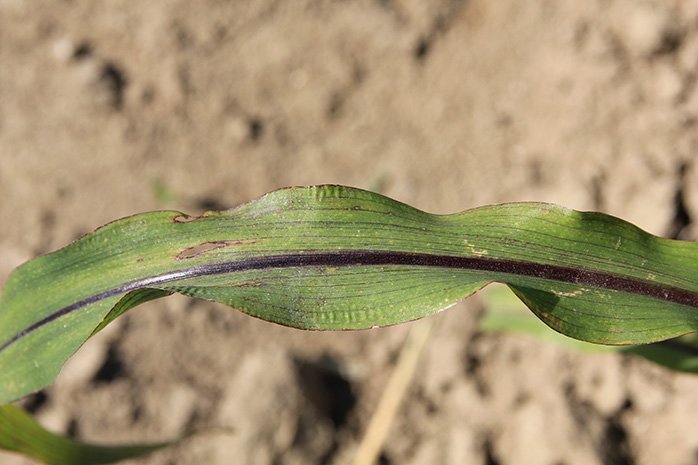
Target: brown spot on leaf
{"x":202,"y":248}
{"x":182,"y":219}
{"x":209,"y":246}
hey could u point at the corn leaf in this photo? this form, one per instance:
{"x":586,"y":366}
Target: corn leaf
{"x":333,"y":257}
{"x":504,"y":313}
{"x":19,"y":432}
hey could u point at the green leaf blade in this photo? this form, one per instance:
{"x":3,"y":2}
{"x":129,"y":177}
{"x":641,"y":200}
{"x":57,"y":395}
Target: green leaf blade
{"x":19,"y":432}
{"x":339,"y":297}
{"x":332,"y":257}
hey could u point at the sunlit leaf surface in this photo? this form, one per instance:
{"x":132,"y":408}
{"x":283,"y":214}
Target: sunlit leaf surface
{"x":333,"y":257}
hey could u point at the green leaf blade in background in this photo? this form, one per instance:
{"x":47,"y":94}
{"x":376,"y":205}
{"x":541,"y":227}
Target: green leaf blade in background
{"x":333,"y":257}
{"x":19,"y":432}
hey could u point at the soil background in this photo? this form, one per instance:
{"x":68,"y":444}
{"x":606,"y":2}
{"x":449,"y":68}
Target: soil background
{"x":112,"y":108}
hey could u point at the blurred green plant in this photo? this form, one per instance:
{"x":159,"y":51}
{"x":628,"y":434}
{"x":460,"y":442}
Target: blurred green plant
{"x":161,"y":192}
{"x":19,"y":432}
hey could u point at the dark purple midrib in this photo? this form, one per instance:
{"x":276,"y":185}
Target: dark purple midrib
{"x":378,"y":258}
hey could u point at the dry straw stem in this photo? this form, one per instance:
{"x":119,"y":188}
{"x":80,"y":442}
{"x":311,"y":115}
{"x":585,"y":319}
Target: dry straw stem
{"x":374,"y":437}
